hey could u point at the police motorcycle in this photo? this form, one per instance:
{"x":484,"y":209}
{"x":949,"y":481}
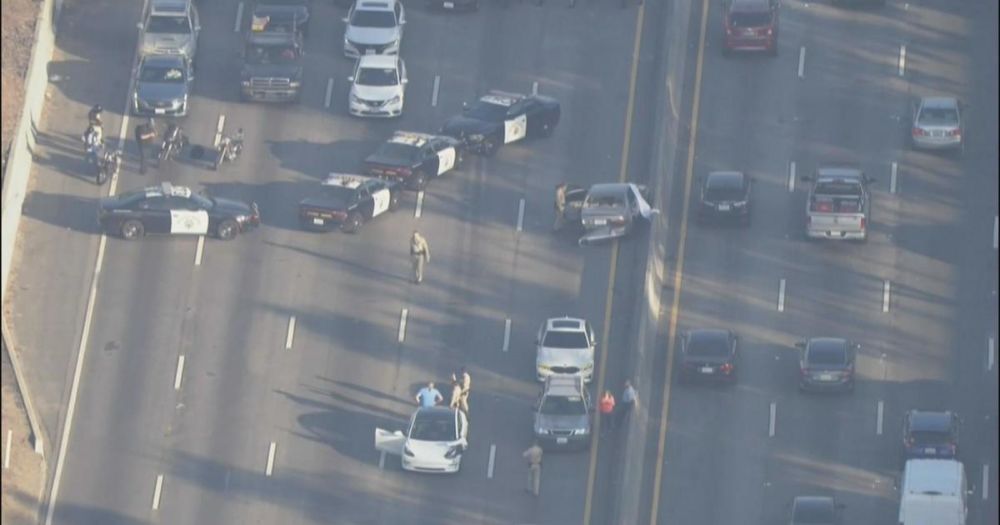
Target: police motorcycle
{"x":230,"y":148}
{"x":173,"y":142}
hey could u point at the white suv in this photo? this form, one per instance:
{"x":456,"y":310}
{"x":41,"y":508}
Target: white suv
{"x":374,"y":27}
{"x":566,"y":347}
{"x":377,"y":86}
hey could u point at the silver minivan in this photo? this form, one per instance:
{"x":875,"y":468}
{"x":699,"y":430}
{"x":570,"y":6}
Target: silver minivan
{"x":171,"y":27}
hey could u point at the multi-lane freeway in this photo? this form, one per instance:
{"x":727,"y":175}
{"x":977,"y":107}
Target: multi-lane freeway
{"x":200,"y":381}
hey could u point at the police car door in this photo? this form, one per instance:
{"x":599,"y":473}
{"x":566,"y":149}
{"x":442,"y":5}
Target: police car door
{"x":187,"y":218}
{"x":515,"y":127}
{"x":380,"y":197}
{"x":445,"y":158}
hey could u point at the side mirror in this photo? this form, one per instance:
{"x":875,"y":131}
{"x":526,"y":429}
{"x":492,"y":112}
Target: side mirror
{"x":197,"y":28}
{"x":398,"y":433}
{"x":350,"y":78}
{"x":801,"y":345}
{"x":345,"y":20}
{"x":139,"y":25}
{"x":406,"y":80}
{"x":857,"y":346}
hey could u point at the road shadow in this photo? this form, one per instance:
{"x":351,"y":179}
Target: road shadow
{"x":318,"y":160}
{"x":63,"y":211}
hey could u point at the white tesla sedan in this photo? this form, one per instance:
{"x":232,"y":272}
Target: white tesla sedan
{"x":434,"y":442}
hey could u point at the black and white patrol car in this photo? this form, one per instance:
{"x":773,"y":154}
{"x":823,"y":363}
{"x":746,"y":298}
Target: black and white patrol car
{"x":347,"y":201}
{"x":501,"y":118}
{"x":175,"y":210}
{"x":414,"y":158}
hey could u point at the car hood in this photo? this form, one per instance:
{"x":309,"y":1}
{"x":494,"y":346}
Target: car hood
{"x":550,"y":422}
{"x":576,"y":357}
{"x":376,"y":92}
{"x":233,"y":207}
{"x":430,"y":449}
{"x":160,"y":91}
{"x":293,"y":71}
{"x":461,"y":126}
{"x":372,"y":35}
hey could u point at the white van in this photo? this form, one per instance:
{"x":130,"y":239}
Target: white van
{"x":933,"y":492}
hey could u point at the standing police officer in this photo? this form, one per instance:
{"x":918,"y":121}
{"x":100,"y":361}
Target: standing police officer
{"x":420,"y":254}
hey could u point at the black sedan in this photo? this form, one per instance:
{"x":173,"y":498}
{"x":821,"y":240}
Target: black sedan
{"x":930,"y":434}
{"x":454,"y":5}
{"x":347,"y":202}
{"x":162,"y":86}
{"x":725,"y":195}
{"x":827,"y":364}
{"x":414,"y":158}
{"x":175,"y":210}
{"x":501,"y":118}
{"x":709,"y":354}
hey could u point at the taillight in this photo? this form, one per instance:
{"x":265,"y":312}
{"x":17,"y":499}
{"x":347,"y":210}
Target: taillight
{"x":908,"y":441}
{"x":955,"y":132}
{"x":769,"y":32}
{"x":918,"y":132}
{"x":863,"y":219}
{"x":726,"y":368}
{"x":405,"y":172}
{"x":803,"y":371}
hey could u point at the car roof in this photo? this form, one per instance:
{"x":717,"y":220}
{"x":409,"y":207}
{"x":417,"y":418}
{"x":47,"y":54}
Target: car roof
{"x":435,"y":413}
{"x":502,"y":98}
{"x":564,"y":385}
{"x":930,"y":421}
{"x":378,"y":61}
{"x":169,"y":7}
{"x":346,"y":180}
{"x":608,"y":189}
{"x":939,"y":102}
{"x":375,"y":5}
{"x":725,"y":179}
{"x":827,"y":343}
{"x":933,"y":477}
{"x":814,"y":504}
{"x":565,"y":324}
{"x":163,"y":60}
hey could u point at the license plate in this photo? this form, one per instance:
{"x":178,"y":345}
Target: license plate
{"x":159,"y":111}
{"x":600,"y":222}
{"x":317,"y":221}
{"x":724,"y":207}
{"x":449,"y":5}
{"x":562,"y":441}
{"x":706,"y":370}
{"x":937,"y":133}
{"x":826,"y":377}
{"x":930,"y":450}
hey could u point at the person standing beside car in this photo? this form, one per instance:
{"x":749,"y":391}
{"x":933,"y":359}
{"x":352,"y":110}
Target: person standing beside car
{"x":145,"y":134}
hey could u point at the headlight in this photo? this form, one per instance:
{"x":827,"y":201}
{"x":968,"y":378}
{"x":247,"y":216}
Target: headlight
{"x":453,"y":452}
{"x":294,"y":84}
{"x":242,"y":218}
{"x":544,"y":367}
{"x":477,"y":137}
{"x":355,"y":99}
{"x":580,"y":431}
{"x":739,"y":204}
{"x":394,"y":100}
{"x":407,"y":451}
{"x":541,"y":431}
{"x":246,"y":82}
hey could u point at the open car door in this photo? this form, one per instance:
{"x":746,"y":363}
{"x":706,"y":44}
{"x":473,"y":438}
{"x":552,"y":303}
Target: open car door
{"x":389,"y":442}
{"x":574,"y":202}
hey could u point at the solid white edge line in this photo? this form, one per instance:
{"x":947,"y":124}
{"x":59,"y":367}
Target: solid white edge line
{"x":290,"y":336}
{"x":221,"y":125}
{"x":199,"y":251}
{"x":420,"y":205}
{"x":886,"y":289}
{"x":6,"y":450}
{"x":791,"y":176}
{"x":892,"y":177}
{"x":492,"y":461}
{"x":239,"y":18}
{"x":781,"y":295}
{"x":157,"y":490}
{"x":434,"y":93}
{"x":329,"y":92}
{"x":990,"y":354}
{"x":996,"y":226}
{"x":381,"y":460}
{"x":534,"y":88}
{"x":902,"y":59}
{"x":270,"y":459}
{"x":179,"y":373}
{"x":986,"y":481}
{"x":802,"y":61}
{"x":520,"y":215}
{"x":879,"y":414}
{"x":402,"y":325}
{"x":771,"y":419}
{"x":506,"y":335}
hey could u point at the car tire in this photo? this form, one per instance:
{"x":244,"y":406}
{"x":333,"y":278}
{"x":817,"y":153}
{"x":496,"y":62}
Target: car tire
{"x":227,"y":230}
{"x":132,"y":229}
{"x":352,"y":224}
{"x":393,"y":201}
{"x":490,"y":147}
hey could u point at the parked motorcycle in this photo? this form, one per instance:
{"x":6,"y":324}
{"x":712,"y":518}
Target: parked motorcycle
{"x":230,"y":148}
{"x":109,"y":163}
{"x":173,"y":142}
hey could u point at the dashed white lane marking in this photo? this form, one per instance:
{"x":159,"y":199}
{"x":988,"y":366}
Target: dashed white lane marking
{"x":791,"y":176}
{"x":492,"y":461}
{"x":534,"y":88}
{"x":420,"y":205}
{"x":434,"y":93}
{"x":520,"y":215}
{"x":329,"y":93}
{"x":218,"y":130}
{"x":986,"y":481}
{"x":990,"y":354}
{"x":239,"y":18}
{"x":179,"y":373}
{"x":996,"y":226}
{"x":291,"y":333}
{"x":6,"y":450}
{"x":381,"y":460}
{"x":199,"y":251}
{"x":886,"y":289}
{"x":902,"y":60}
{"x":771,"y":419}
{"x":892,"y":177}
{"x":781,"y":295}
{"x":157,"y":490}
{"x":879,"y":413}
{"x":802,"y":61}
{"x":402,"y":325}
{"x":506,"y":335}
{"x":270,"y":459}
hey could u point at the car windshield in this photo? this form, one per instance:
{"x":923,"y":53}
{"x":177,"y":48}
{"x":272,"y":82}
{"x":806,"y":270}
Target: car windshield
{"x":398,"y":152}
{"x":605,"y":200}
{"x":487,"y":111}
{"x":750,"y":19}
{"x":261,"y":54}
{"x":563,"y":406}
{"x":203,"y":202}
{"x":339,"y":196}
{"x":708,"y":346}
{"x":938,"y":117}
{"x":174,"y":25}
{"x":725,"y":192}
{"x":367,"y":18}
{"x":565,"y":340}
{"x":434,"y":428}
{"x":161,"y":74}
{"x":930,"y":437}
{"x":376,"y":76}
{"x":827,"y":355}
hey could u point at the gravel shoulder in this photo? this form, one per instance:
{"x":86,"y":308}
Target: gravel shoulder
{"x":17,"y":19}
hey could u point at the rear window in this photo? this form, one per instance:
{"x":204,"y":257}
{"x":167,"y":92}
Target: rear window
{"x":926,"y":437}
{"x":750,"y":19}
{"x":938,"y":116}
{"x":708,"y":347}
{"x":402,"y":153}
{"x":837,"y":188}
{"x":836,"y":205}
{"x":565,"y":340}
{"x":820,"y":514}
{"x":827,"y":355}
{"x":563,"y":406}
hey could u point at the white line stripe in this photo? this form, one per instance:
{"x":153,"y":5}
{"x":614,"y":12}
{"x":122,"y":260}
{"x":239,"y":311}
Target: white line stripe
{"x":179,"y":373}
{"x":381,"y":461}
{"x":506,"y":335}
{"x":493,"y":457}
{"x":156,"y":491}
{"x":434,"y":94}
{"x":239,"y":18}
{"x":218,"y":130}
{"x":986,"y":481}
{"x":6,"y":450}
{"x":199,"y":251}
{"x":791,"y":176}
{"x":329,"y":92}
{"x":270,"y":459}
{"x":402,"y":325}
{"x":990,"y":354}
{"x":420,"y":205}
{"x":771,"y":419}
{"x":781,"y":295}
{"x":520,"y":215}
{"x":885,"y":295}
{"x":879,"y":413}
{"x":902,"y":60}
{"x":996,"y":225}
{"x":291,"y":333}
{"x":534,"y":88}
{"x":802,"y":61}
{"x":892,"y":177}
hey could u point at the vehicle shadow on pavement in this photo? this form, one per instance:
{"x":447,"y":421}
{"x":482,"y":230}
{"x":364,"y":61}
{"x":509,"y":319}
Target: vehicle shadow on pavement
{"x":73,"y":513}
{"x":371,"y":272}
{"x":63,"y":211}
{"x":278,"y":201}
{"x":367,"y":391}
{"x":319,"y":160}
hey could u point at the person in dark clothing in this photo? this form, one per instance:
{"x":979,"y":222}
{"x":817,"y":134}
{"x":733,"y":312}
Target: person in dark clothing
{"x":145,"y":134}
{"x":95,"y":115}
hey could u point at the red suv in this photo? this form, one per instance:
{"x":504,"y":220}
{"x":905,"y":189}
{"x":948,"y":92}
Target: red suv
{"x":750,"y":25}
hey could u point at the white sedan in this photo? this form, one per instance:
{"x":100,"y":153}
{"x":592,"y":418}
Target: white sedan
{"x":434,"y":442}
{"x":378,"y":86}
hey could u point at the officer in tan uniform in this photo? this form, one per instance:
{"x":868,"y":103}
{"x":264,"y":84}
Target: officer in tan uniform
{"x":420,"y":254}
{"x":560,"y":207}
{"x":534,"y":457}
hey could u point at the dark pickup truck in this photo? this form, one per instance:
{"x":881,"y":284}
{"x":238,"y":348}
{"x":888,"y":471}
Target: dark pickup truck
{"x":272,"y":60}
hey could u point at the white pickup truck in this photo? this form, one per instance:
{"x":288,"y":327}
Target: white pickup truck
{"x":839,"y":204}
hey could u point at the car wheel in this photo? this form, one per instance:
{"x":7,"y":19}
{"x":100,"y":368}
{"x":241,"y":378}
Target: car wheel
{"x":490,"y":147}
{"x":352,"y":224}
{"x":227,"y":230}
{"x":132,"y":229}
{"x":393,"y":201}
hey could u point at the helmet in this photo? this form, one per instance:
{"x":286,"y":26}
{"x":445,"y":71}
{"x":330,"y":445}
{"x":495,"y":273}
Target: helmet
{"x":97,"y":108}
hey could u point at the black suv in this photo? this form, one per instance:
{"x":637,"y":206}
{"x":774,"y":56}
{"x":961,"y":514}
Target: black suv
{"x":930,"y":434}
{"x":709,"y":354}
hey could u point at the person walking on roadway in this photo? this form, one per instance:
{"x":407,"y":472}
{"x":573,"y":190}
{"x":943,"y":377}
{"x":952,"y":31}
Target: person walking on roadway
{"x":145,"y":133}
{"x":534,"y":457}
{"x":420,"y":254}
{"x":456,"y":396}
{"x":429,"y":396}
{"x":465,"y":382}
{"x":629,"y":400}
{"x":606,"y":406}
{"x":560,"y":207}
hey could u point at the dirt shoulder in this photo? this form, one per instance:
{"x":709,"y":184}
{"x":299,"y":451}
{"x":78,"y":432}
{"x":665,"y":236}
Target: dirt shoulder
{"x":17,"y":21}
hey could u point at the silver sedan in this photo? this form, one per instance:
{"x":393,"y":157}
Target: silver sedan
{"x":937,"y":123}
